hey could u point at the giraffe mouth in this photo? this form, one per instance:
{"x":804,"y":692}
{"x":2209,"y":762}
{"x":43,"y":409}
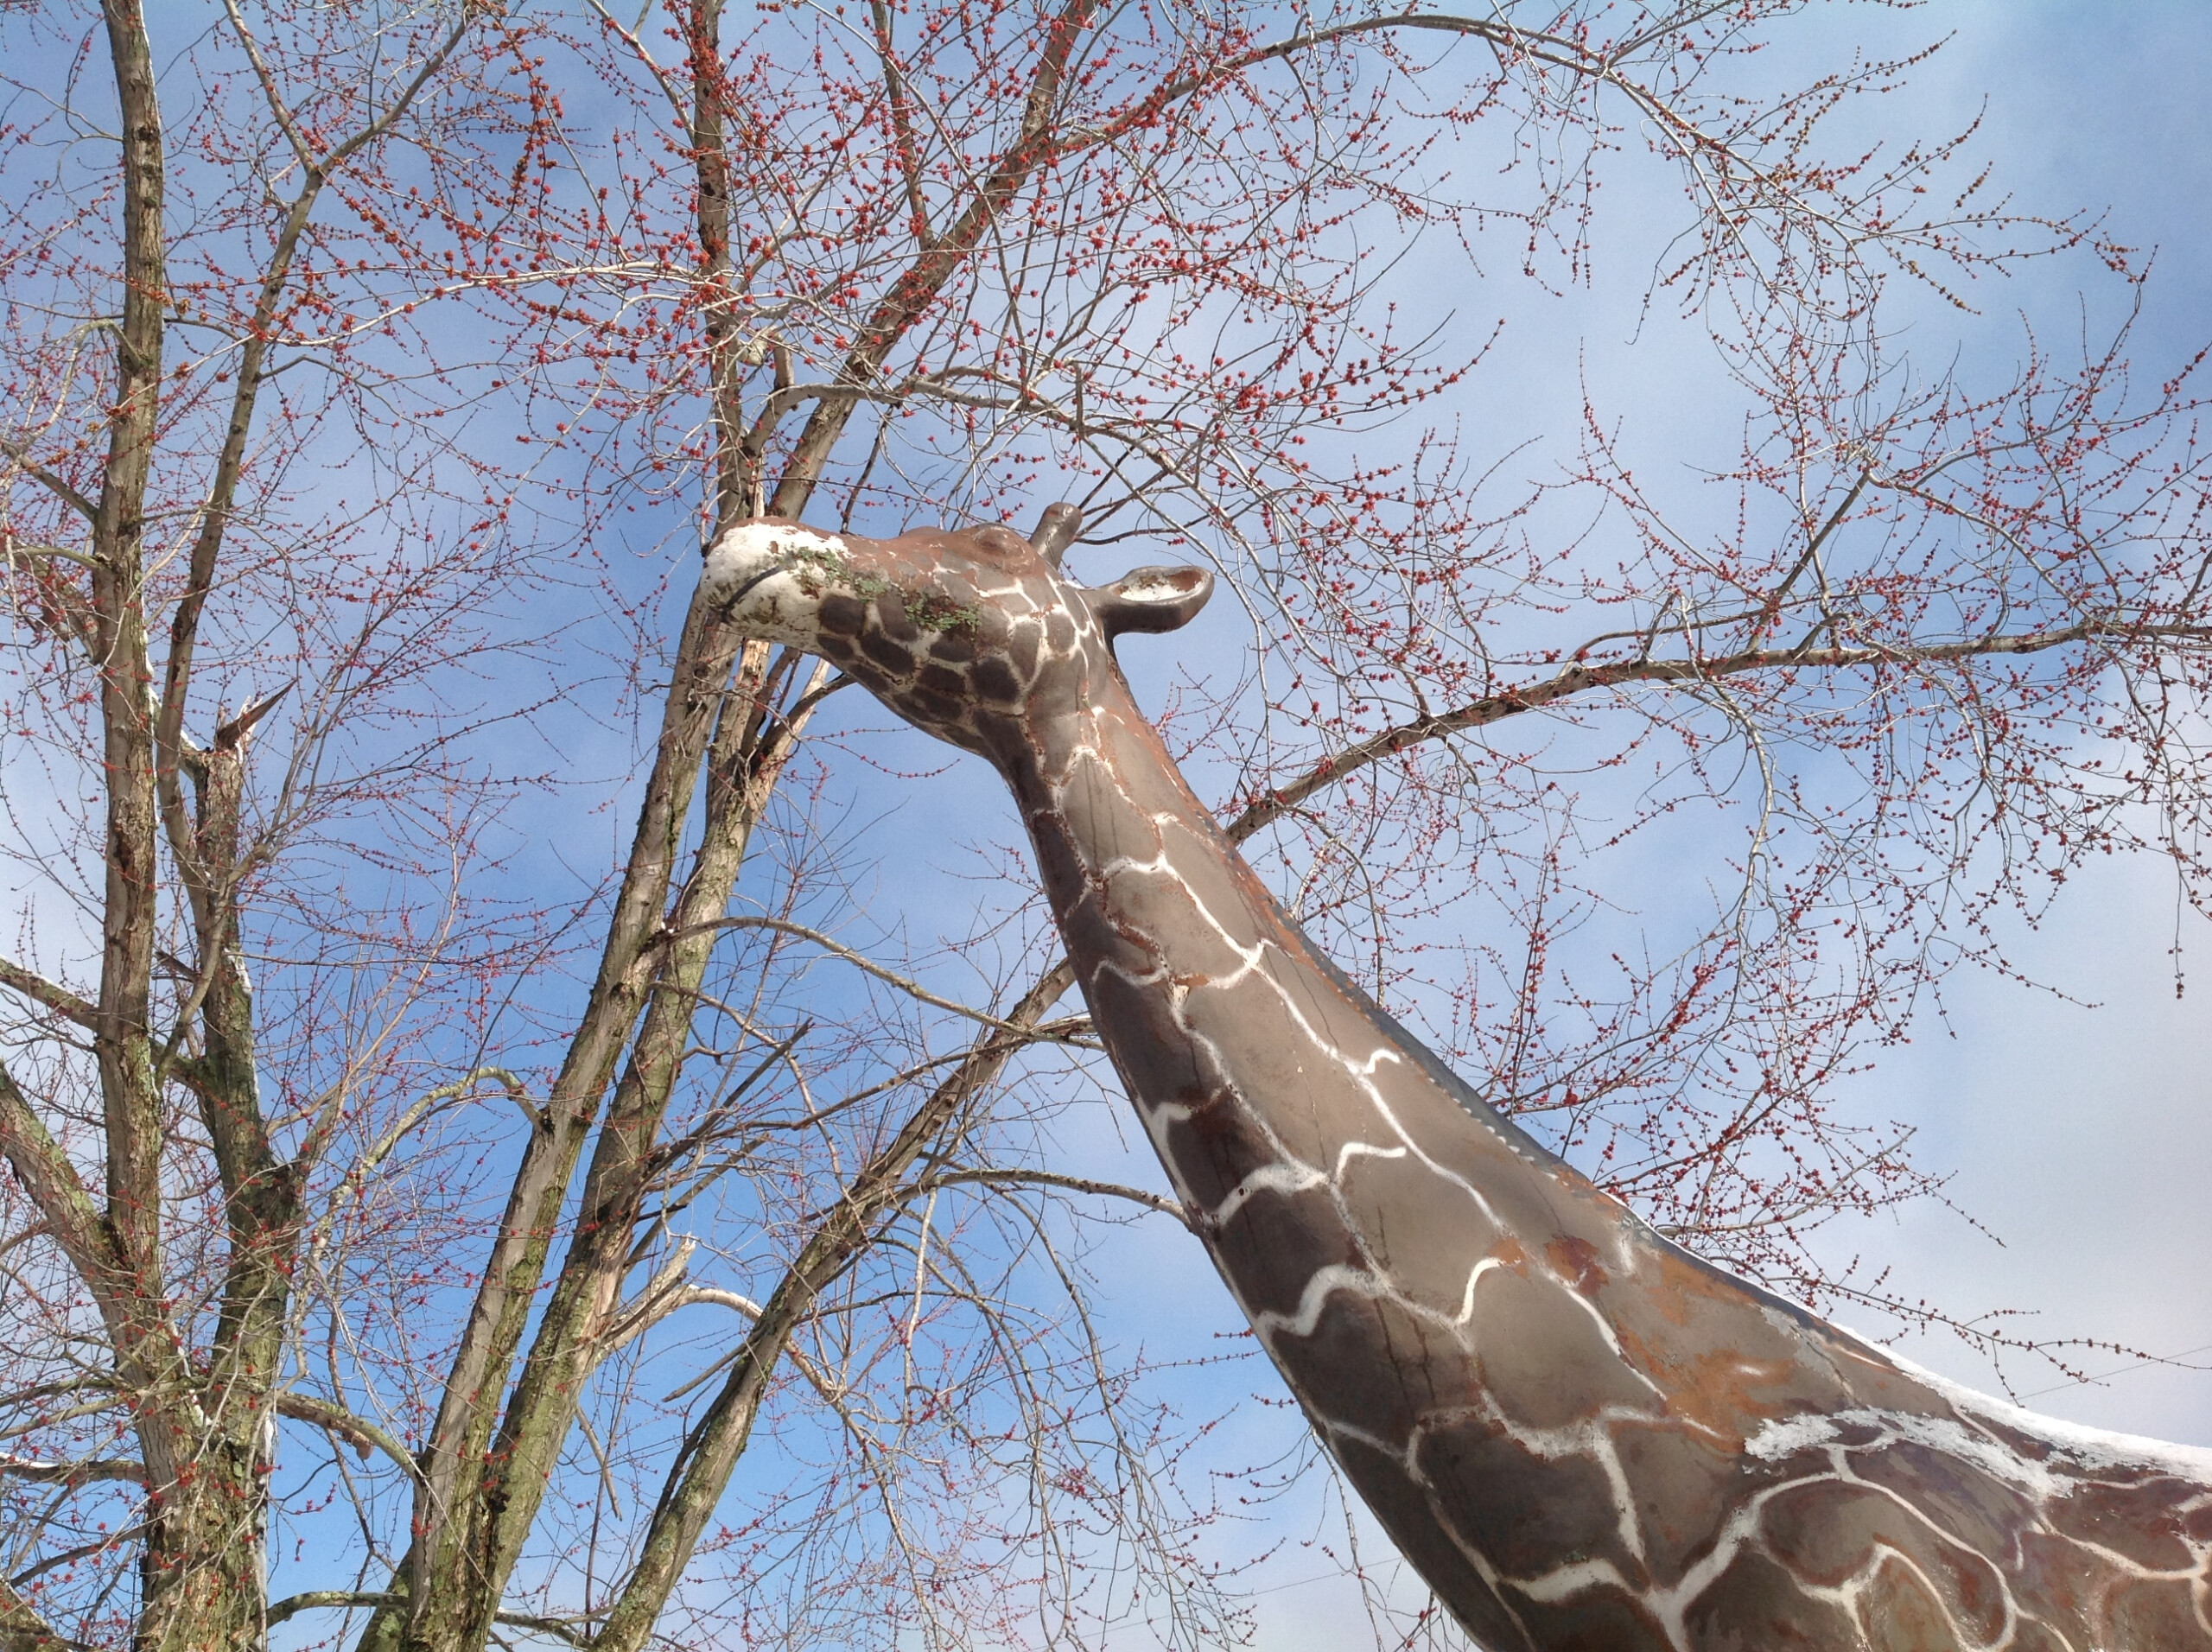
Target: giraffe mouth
{"x":765,"y":574}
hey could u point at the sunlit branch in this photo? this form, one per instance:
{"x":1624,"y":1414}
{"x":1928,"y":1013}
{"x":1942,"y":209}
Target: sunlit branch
{"x":87,"y":1472}
{"x":1021,"y":1178}
{"x":1579,"y":679}
{"x":862,"y":961}
{"x":45,"y":993}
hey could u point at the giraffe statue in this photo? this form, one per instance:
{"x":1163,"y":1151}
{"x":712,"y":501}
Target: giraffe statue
{"x":1581,"y":1435}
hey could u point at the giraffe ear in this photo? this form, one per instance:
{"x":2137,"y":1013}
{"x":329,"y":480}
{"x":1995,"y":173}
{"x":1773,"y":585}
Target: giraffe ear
{"x":1151,"y":599}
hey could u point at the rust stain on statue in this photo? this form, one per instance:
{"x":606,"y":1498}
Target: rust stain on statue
{"x":1575,"y":1259}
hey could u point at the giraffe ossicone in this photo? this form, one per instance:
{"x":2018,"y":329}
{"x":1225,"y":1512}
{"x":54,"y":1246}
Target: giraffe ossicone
{"x":1581,"y":1435}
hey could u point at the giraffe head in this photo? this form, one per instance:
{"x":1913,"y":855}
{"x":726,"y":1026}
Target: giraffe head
{"x":971,"y":635}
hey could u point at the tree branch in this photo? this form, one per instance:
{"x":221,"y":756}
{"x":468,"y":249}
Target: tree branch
{"x":40,"y":990}
{"x":22,"y":1630}
{"x":64,"y":1202}
{"x":860,"y":961}
{"x":48,"y":480}
{"x":714,"y":1444}
{"x":1578,"y":679}
{"x":1034,"y":147}
{"x":1155,"y":1202}
{"x":55,"y":1471}
{"x":357,"y":1432}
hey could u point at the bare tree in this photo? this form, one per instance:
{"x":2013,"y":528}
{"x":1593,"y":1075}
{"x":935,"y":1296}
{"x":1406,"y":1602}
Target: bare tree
{"x":493,"y":1234}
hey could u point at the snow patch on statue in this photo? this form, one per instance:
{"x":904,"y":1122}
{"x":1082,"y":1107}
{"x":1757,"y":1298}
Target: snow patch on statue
{"x":2092,"y":1449}
{"x":770,"y":577}
{"x":2088,"y":1454}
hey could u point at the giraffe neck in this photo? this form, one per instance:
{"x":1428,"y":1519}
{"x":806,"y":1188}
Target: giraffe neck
{"x":1579,"y":1434}
{"x":1253,"y":1060}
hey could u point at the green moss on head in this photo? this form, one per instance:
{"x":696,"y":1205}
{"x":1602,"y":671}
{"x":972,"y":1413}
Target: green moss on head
{"x":936,"y":613}
{"x":811,"y":564}
{"x":810,"y":561}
